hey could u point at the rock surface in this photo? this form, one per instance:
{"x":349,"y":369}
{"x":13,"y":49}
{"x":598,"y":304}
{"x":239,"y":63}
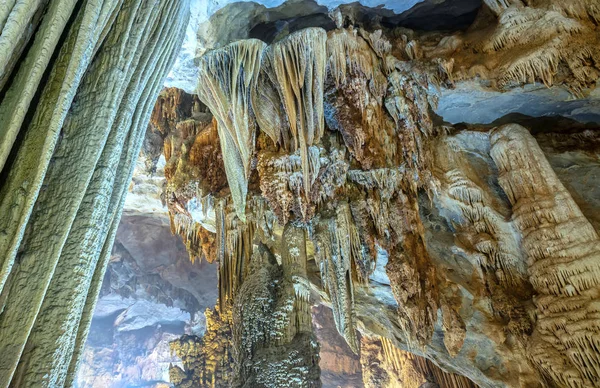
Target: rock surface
{"x":78,"y":80}
{"x":425,"y":236}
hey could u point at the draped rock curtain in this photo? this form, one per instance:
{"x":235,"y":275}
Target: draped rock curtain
{"x":78,"y":80}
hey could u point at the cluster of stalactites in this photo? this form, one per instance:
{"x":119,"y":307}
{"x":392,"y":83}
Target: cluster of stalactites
{"x":197,"y":239}
{"x":298,"y":64}
{"x":339,"y":247}
{"x":234,"y":248}
{"x":563,"y":252}
{"x":244,"y":84}
{"x":350,"y":54}
{"x":355,"y":65}
{"x":226,"y":78}
{"x":549,"y":33}
{"x":499,"y":6}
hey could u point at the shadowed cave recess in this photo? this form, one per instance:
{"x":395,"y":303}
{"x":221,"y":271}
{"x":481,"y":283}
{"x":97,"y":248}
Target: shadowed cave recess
{"x":202,"y":193}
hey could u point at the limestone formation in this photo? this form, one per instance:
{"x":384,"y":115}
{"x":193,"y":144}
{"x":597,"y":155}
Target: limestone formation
{"x":227,"y":76}
{"x":562,"y":250}
{"x":448,"y":255}
{"x":79,"y":82}
{"x":207,"y":361}
{"x":384,"y":365}
{"x":313,"y":168}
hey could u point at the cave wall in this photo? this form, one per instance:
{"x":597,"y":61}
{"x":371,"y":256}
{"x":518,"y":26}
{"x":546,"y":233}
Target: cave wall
{"x":312,"y":168}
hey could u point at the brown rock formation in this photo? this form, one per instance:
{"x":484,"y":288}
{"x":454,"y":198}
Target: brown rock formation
{"x":458,"y":244}
{"x":207,"y":361}
{"x":562,"y":250}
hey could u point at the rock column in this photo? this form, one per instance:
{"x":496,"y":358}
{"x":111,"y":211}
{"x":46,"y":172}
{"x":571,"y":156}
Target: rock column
{"x":77,"y":96}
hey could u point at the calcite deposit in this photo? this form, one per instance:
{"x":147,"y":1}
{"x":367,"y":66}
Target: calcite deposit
{"x":311,"y":162}
{"x":337,"y":162}
{"x":78,"y":81}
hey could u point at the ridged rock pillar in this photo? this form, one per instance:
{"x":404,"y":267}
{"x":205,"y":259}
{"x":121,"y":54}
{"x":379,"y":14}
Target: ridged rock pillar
{"x":78,"y":81}
{"x":563,"y":253}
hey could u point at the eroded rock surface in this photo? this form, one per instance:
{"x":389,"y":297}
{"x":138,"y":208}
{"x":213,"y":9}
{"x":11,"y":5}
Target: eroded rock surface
{"x":78,"y":80}
{"x":419,"y":234}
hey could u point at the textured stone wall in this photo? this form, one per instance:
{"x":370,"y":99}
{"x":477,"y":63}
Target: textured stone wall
{"x":414,"y":232}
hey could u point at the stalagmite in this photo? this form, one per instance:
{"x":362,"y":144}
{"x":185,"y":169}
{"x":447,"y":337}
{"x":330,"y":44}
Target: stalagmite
{"x":272,"y":321}
{"x":66,"y":177}
{"x":226,"y":77}
{"x":207,"y":361}
{"x":563,"y":254}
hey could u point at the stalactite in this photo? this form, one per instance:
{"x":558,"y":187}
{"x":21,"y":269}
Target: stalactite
{"x":294,"y":261}
{"x":547,"y":41}
{"x":234,"y":249}
{"x":554,"y":34}
{"x":282,"y":176}
{"x":410,"y":270}
{"x":339,"y":253}
{"x":65,"y":204}
{"x":199,"y":242}
{"x":173,"y":106}
{"x":581,"y":9}
{"x":349,"y":54}
{"x":356,"y":80}
{"x":563,"y":253}
{"x":391,"y":204}
{"x":268,"y":107}
{"x":299,"y":62}
{"x":226,"y":78}
{"x":499,"y":6}
{"x":413,"y":50}
{"x":375,"y":371}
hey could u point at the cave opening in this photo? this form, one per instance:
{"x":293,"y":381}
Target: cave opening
{"x":299,"y":193}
